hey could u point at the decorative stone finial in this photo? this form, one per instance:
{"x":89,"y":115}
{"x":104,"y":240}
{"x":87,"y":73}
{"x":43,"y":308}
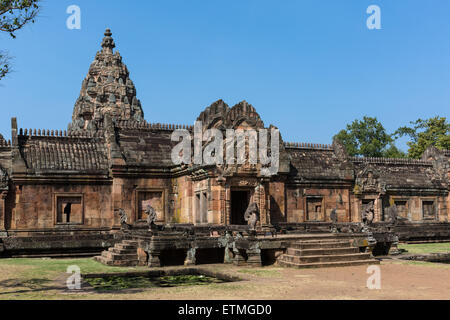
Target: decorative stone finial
{"x":108,"y":42}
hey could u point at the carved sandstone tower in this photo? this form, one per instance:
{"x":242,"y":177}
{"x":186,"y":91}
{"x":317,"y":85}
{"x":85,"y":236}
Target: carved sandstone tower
{"x":106,"y":90}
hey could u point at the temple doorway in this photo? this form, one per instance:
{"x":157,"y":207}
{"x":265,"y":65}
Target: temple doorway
{"x":239,"y":203}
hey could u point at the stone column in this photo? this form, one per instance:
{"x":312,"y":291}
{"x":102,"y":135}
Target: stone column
{"x":153,"y":259}
{"x":227,"y":242}
{"x":378,"y":207}
{"x":254,"y":253}
{"x":238,"y":258}
{"x":190,"y":257}
{"x":228,"y":257}
{"x":3,"y":195}
{"x":394,"y":250}
{"x":227,"y":205}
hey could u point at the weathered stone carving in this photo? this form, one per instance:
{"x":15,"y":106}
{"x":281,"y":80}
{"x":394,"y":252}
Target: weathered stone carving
{"x":190,"y":256}
{"x":151,"y":219}
{"x":391,"y":214}
{"x":333,"y":216}
{"x":252,"y":215}
{"x":107,"y":89}
{"x":368,"y":214}
{"x":4,"y":180}
{"x":123,"y":218}
{"x":368,"y":181}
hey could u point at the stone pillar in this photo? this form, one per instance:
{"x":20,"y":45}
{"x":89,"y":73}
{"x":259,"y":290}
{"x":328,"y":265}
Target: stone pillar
{"x":3,"y":195}
{"x":227,"y":205}
{"x":222,"y":205}
{"x":393,"y":249}
{"x":228,"y":243}
{"x":228,"y":257}
{"x":153,"y":259}
{"x":378,"y":208}
{"x":260,"y":196}
{"x":238,"y":259}
{"x":254,"y":254}
{"x":190,"y":257}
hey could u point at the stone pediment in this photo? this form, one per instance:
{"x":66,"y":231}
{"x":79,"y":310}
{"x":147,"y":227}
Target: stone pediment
{"x":368,"y":181}
{"x":220,"y":116}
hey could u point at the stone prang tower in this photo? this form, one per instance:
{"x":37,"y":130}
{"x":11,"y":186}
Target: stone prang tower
{"x":106,"y":90}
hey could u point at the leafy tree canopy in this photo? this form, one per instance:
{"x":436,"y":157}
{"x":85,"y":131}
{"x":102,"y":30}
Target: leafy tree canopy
{"x":14,"y":14}
{"x":425,"y":133}
{"x":368,"y":138}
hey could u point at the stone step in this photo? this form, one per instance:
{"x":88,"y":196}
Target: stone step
{"x":320,"y":245}
{"x":325,"y":258}
{"x":115,"y":256}
{"x":322,"y":251}
{"x":328,"y":264}
{"x":122,"y":251}
{"x":130,"y":242}
{"x":125,"y":246}
{"x":116,"y":263}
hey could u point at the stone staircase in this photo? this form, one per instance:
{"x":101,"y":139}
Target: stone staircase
{"x":325,"y":253}
{"x":122,"y":254}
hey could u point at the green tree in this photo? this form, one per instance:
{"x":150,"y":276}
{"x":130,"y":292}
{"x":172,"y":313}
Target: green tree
{"x":425,"y":133}
{"x":368,"y":138}
{"x":14,"y":14}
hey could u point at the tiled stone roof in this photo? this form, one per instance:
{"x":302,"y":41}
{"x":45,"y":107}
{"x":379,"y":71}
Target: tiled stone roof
{"x":318,"y":163}
{"x":146,"y":147}
{"x":64,"y":154}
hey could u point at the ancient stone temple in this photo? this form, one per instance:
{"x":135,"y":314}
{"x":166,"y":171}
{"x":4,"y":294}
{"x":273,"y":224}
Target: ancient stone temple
{"x":61,"y":191}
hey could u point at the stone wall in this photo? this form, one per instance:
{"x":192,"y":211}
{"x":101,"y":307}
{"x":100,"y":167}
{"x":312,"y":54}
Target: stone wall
{"x":133,"y":195}
{"x":299,"y":198}
{"x":32,"y":208}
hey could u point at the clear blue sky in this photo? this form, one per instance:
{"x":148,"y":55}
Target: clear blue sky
{"x":307,"y":66}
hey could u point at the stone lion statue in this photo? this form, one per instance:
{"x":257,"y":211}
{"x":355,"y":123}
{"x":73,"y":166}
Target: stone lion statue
{"x":252,"y":215}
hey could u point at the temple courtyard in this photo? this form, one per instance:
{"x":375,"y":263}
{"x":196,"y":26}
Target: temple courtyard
{"x":41,"y":278}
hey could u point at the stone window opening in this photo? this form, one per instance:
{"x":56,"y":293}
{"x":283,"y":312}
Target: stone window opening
{"x":314,"y":209}
{"x":428,"y":209}
{"x":402,"y":208}
{"x":69,"y":209}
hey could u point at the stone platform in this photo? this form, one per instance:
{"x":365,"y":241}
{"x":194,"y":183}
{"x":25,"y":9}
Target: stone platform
{"x":193,"y":246}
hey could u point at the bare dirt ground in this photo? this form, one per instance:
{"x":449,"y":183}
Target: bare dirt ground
{"x":399,"y":280}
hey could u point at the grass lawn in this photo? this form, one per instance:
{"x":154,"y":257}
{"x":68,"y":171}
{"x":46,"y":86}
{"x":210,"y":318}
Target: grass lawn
{"x":44,"y":279}
{"x":31,"y":278}
{"x":44,"y":268}
{"x":426,"y":248}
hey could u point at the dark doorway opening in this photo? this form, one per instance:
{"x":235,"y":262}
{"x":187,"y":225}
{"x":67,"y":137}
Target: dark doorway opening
{"x":172,"y":257}
{"x":210,"y":255}
{"x":239,"y":203}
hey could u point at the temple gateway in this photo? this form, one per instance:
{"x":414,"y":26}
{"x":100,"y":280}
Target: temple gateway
{"x":95,"y":185}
